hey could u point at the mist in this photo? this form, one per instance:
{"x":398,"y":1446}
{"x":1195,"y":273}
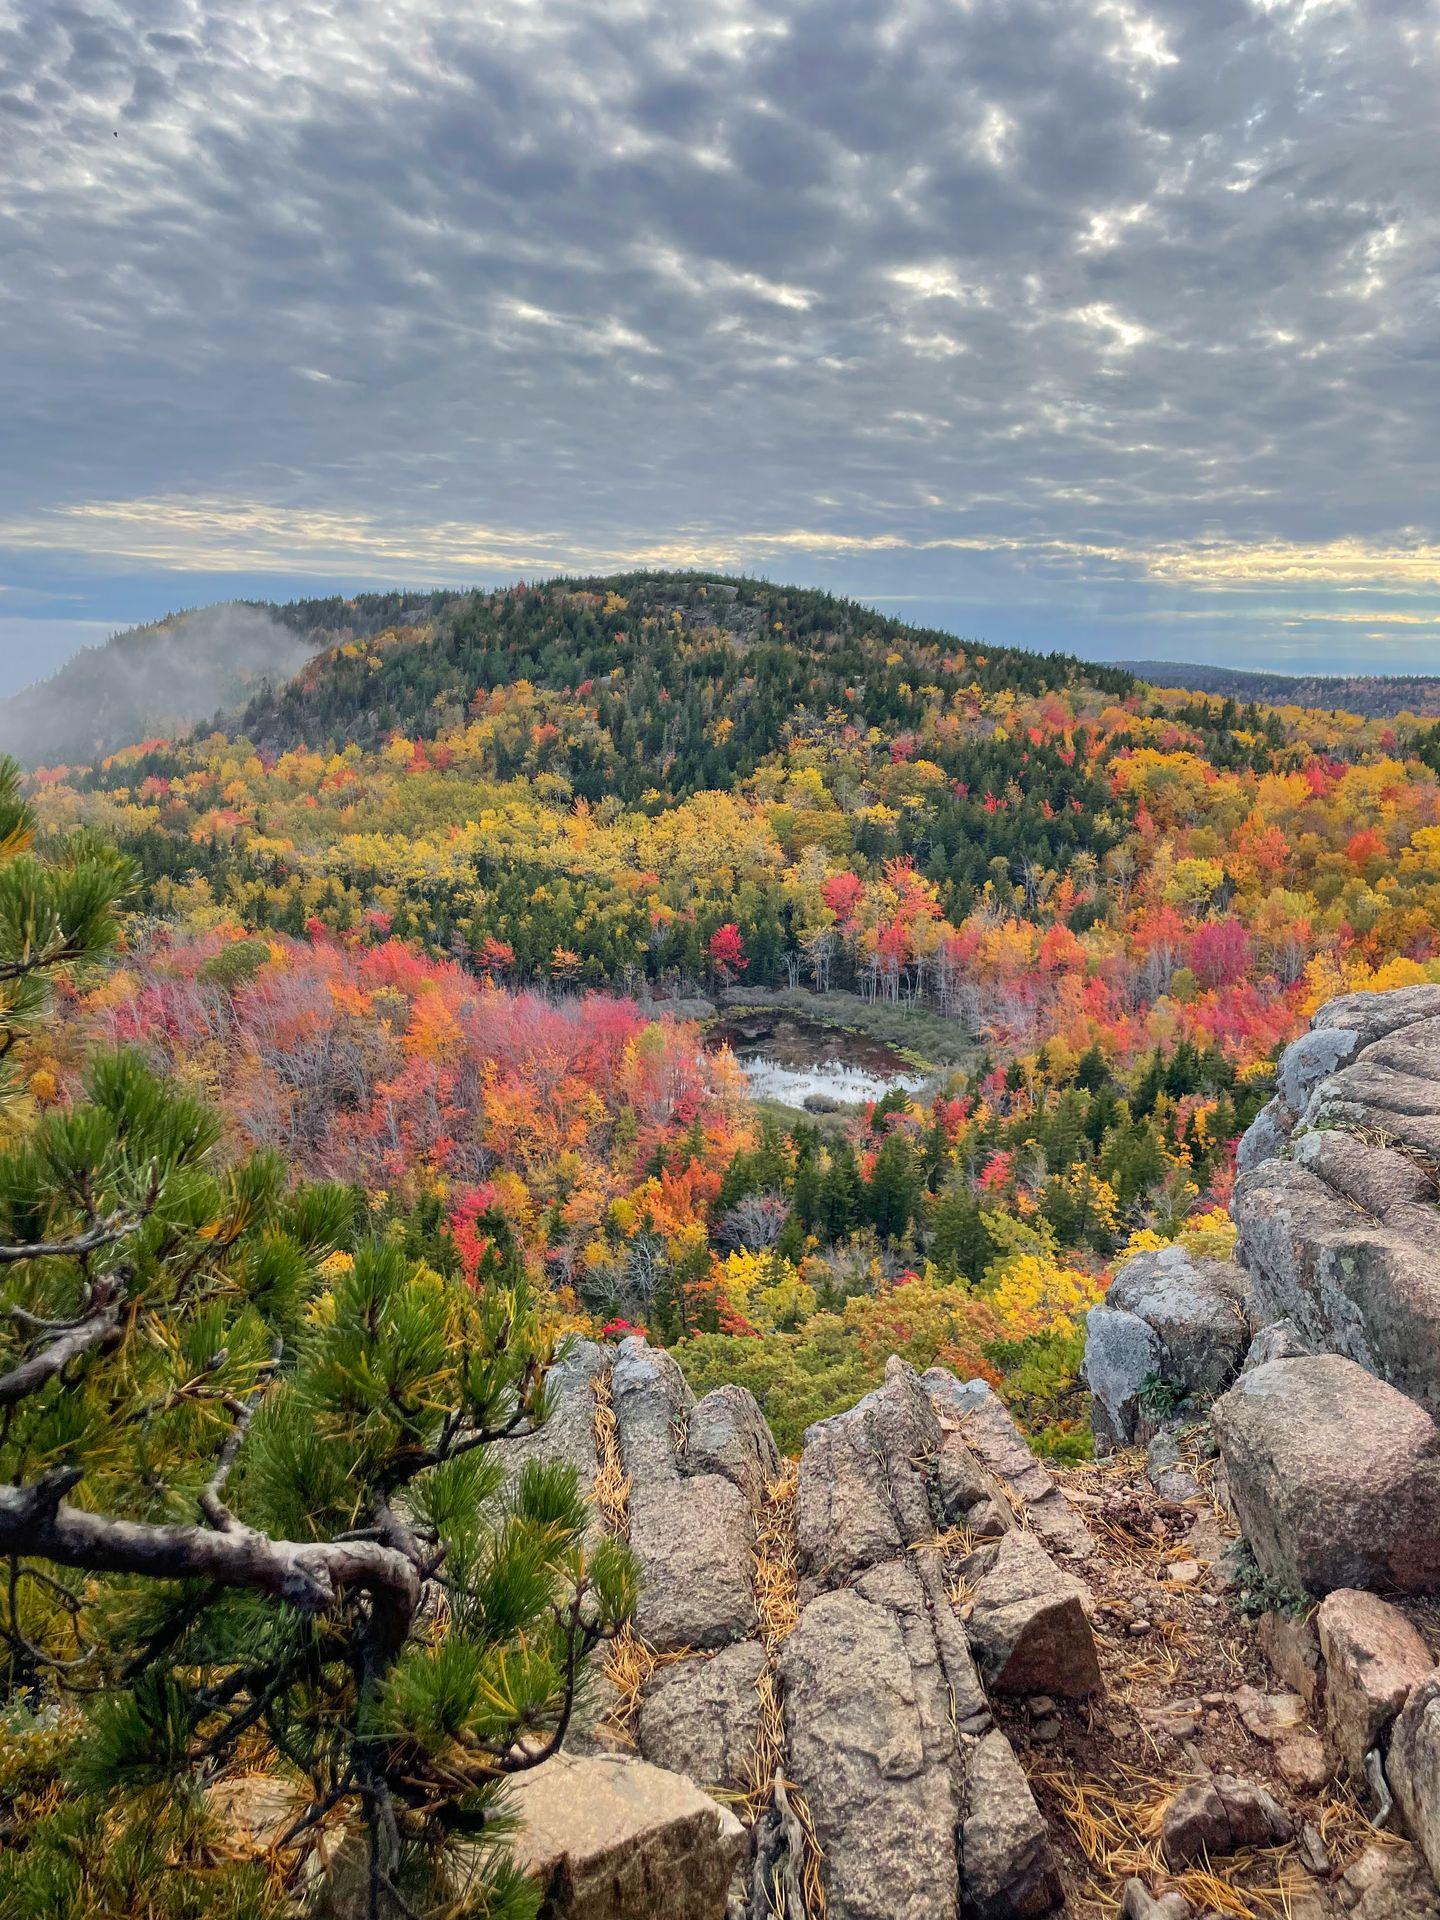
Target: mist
{"x":154,"y":680}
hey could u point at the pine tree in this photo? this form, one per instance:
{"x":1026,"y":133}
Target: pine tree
{"x":247,"y":1497}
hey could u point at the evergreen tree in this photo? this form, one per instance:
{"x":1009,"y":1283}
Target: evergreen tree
{"x":246,"y":1492}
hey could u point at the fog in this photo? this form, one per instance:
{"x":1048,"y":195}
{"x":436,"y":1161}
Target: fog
{"x":160,"y":679}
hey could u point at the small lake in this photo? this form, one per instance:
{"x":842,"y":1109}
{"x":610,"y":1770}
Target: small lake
{"x":791,"y":1059}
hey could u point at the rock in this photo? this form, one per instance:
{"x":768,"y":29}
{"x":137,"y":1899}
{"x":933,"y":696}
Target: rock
{"x":913,"y":1591}
{"x":970,"y":1496}
{"x":1373,"y":1016}
{"x":1309,"y":1060}
{"x":1195,"y":1307}
{"x":702,"y":1717}
{"x":1269,"y":1716}
{"x":1183,"y":1573}
{"x":1166,"y":1470}
{"x":729,"y":1435}
{"x":1389,"y":1882}
{"x":862,"y":1494}
{"x":1374,"y":1659}
{"x":984,"y":1421}
{"x":652,"y":1407}
{"x":1221,"y":1815}
{"x":1340,"y":1238}
{"x":1413,"y":1768}
{"x":693,"y":1539}
{"x":1122,"y":1355}
{"x":568,"y":1435}
{"x":1291,"y":1644}
{"x":1300,"y":1761}
{"x":1334,"y":1475}
{"x":610,"y":1838}
{"x":1281,"y":1340}
{"x":1266,"y":1137}
{"x":1007,"y":1863}
{"x":1029,"y":1623}
{"x":1138,"y":1903}
{"x":879,"y":1769}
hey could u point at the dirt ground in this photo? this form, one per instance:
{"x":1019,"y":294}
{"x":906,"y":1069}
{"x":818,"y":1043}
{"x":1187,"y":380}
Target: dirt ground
{"x":1174,"y":1652}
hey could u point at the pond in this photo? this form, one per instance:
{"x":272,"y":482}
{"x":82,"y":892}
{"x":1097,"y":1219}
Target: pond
{"x":800,"y":1062}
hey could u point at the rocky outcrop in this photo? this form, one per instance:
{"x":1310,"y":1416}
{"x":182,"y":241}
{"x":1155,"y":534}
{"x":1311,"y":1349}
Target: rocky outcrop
{"x":1328,"y":1383}
{"x":851,"y":1719}
{"x":970,"y":1411}
{"x":691,"y":1531}
{"x":1336,"y":1206}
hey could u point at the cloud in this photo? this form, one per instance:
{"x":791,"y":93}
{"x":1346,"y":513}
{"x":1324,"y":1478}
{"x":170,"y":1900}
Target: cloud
{"x":1126,"y":298}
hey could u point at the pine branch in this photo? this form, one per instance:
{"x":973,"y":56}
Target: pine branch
{"x":100,"y":1326}
{"x":311,"y":1575}
{"x":105,"y":1233}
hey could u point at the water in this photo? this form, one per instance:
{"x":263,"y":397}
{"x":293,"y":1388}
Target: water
{"x":830,"y":1080}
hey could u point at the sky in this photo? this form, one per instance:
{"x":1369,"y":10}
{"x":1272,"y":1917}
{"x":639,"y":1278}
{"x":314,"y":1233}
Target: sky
{"x":1070,"y":323}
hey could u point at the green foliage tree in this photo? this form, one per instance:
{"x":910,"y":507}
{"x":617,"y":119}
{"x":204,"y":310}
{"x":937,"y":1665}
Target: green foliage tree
{"x":248,"y":1502}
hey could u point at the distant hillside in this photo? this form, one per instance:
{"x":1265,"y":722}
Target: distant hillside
{"x":1375,"y":695}
{"x":160,"y":680}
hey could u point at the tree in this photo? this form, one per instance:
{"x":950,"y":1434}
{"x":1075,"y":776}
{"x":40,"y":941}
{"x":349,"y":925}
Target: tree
{"x":246,"y":1491}
{"x":726,"y":951}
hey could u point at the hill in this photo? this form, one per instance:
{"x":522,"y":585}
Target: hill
{"x":1371,"y":694}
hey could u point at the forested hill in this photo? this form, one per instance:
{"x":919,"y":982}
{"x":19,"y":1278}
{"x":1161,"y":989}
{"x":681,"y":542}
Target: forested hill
{"x":1369,"y":694}
{"x":691,"y":680}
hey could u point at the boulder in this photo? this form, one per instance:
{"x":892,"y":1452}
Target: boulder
{"x":1374,"y":1659}
{"x":1220,"y":1815}
{"x":1413,"y":1768}
{"x":982,"y":1419}
{"x":1029,"y":1623}
{"x":693,"y":1539}
{"x":863,"y":1489}
{"x":1334,"y":1476}
{"x":1007,"y":1864}
{"x":611,"y":1837}
{"x":1197,"y":1309}
{"x":879,"y":1767}
{"x":1122,"y":1355}
{"x":702,"y":1717}
{"x":729,"y":1435}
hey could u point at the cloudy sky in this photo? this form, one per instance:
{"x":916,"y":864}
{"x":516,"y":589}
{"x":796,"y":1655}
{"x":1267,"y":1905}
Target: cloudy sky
{"x":1082,"y":323}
